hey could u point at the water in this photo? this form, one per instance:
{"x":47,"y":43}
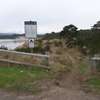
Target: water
{"x":11,"y":43}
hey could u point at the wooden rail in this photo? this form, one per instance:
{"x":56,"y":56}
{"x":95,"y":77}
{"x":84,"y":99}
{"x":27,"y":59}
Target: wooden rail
{"x":14,"y":57}
{"x":23,"y":53}
{"x":22,"y":63}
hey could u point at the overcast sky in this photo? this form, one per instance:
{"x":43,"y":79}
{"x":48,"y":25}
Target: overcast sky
{"x":51,"y":15}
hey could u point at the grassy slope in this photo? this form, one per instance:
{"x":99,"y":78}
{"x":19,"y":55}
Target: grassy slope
{"x":93,"y":84}
{"x":90,"y":81}
{"x":20,"y":79}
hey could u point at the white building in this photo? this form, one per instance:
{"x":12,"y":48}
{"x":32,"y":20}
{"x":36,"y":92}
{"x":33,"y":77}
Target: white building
{"x":30,"y":32}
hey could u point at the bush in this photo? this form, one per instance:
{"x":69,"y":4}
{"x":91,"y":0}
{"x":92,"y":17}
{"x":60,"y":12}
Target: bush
{"x":31,"y":50}
{"x":57,"y":43}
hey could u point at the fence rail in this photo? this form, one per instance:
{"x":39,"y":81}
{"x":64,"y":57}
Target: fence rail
{"x":22,"y":58}
{"x":23,"y":53}
{"x":22,"y":63}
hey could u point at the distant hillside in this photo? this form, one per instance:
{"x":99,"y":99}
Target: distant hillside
{"x":90,"y":39}
{"x":48,"y":36}
{"x":10,"y":35}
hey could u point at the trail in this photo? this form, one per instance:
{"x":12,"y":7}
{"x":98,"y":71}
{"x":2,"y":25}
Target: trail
{"x":68,"y":89}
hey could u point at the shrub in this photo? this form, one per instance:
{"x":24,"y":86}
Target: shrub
{"x":31,"y":50}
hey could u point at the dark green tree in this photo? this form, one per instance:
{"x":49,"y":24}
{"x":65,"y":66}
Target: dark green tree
{"x":70,"y":31}
{"x":69,"y":34}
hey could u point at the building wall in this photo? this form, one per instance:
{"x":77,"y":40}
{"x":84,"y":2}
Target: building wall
{"x":30,"y":31}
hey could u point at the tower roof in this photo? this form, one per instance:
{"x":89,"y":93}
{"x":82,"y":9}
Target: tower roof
{"x":30,"y":23}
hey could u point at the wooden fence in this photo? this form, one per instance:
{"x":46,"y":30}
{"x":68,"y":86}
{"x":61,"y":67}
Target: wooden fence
{"x":27,"y":59}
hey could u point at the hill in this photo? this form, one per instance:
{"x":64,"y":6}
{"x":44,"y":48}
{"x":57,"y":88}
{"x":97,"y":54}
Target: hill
{"x":10,"y":35}
{"x":89,"y":40}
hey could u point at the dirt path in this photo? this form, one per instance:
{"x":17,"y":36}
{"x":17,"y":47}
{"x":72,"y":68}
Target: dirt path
{"x":67,"y":89}
{"x":55,"y":93}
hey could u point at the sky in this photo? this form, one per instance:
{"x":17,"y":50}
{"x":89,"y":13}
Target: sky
{"x":51,"y":15}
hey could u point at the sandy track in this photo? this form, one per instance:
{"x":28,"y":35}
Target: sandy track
{"x":55,"y":93}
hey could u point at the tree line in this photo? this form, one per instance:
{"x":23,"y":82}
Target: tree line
{"x":88,"y":40}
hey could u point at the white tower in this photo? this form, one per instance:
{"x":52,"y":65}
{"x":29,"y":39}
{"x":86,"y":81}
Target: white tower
{"x":30,"y":32}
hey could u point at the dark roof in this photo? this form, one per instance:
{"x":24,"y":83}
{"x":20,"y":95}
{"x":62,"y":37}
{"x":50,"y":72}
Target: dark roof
{"x":96,"y":25}
{"x":98,"y":22}
{"x":30,"y":23}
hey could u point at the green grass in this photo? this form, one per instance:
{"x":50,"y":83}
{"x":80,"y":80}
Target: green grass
{"x":94,"y":83}
{"x":83,"y":68}
{"x":22,"y":79}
